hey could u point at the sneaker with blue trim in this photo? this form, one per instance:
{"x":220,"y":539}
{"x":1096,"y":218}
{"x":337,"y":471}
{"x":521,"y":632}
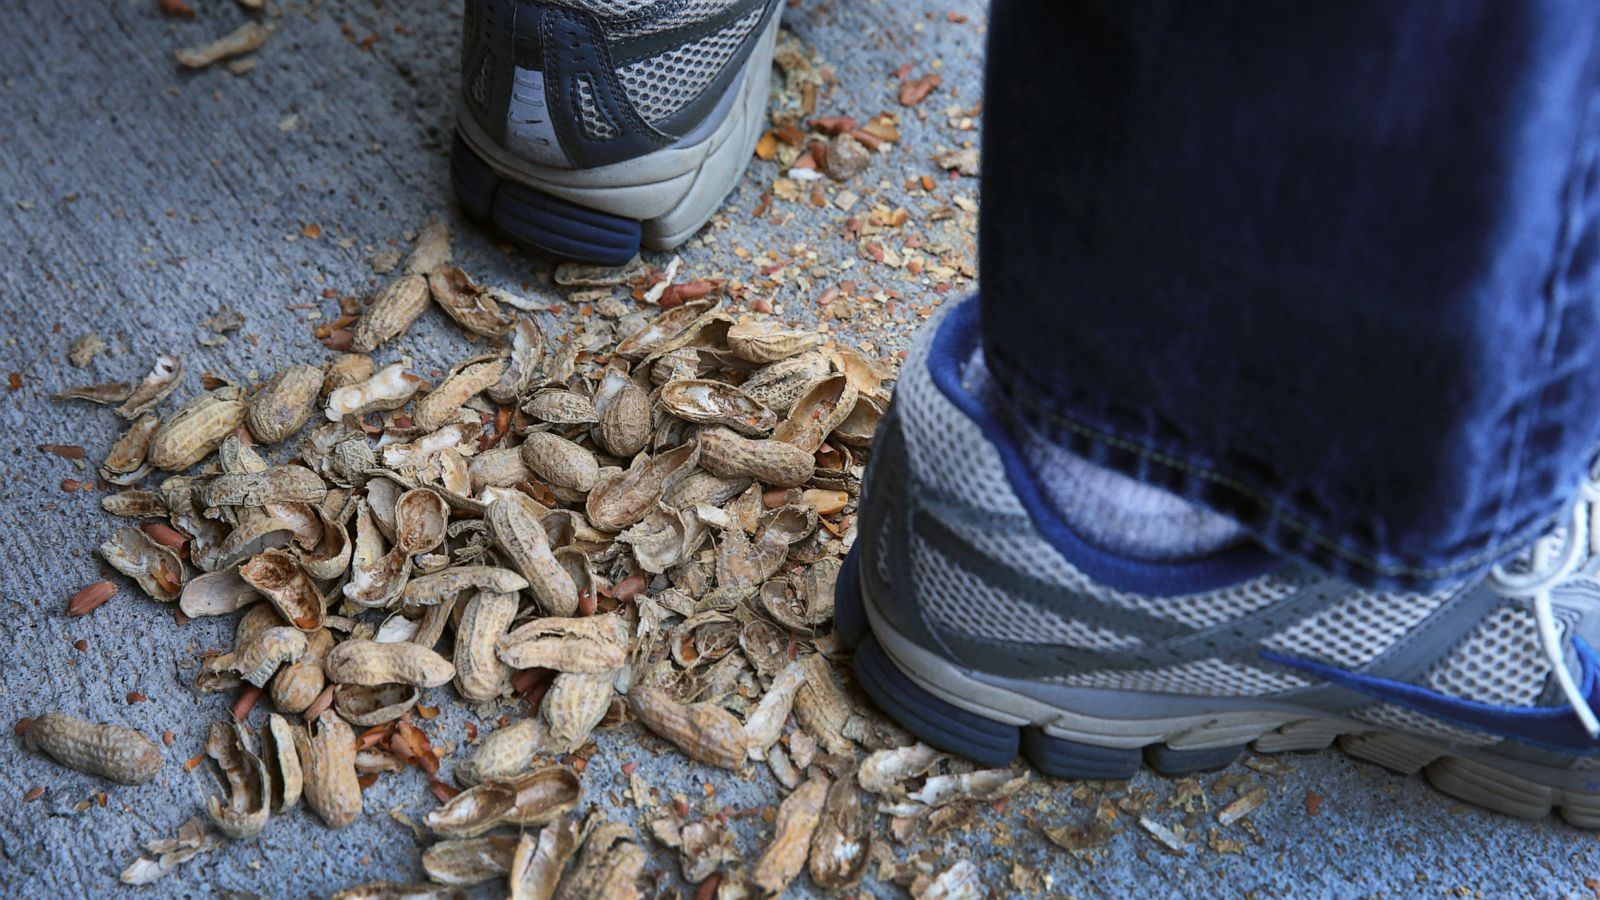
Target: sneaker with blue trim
{"x":988,"y":628}
{"x":588,"y":128}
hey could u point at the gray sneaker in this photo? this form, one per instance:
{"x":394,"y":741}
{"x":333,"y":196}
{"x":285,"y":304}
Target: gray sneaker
{"x":588,"y":128}
{"x":987,"y":628}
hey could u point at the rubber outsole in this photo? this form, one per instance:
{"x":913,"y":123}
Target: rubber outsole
{"x":991,"y":742}
{"x":538,"y":221}
{"x":955,"y":730}
{"x":849,"y":615}
{"x":941,"y":724}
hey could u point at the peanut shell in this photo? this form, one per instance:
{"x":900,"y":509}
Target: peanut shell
{"x":331,"y":787}
{"x":195,"y":430}
{"x":284,"y":404}
{"x":108,"y":751}
{"x":705,"y":731}
{"x":395,"y":307}
{"x":374,"y":663}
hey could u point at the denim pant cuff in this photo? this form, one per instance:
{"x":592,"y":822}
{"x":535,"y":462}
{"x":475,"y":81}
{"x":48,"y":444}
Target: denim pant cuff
{"x":1289,"y":520}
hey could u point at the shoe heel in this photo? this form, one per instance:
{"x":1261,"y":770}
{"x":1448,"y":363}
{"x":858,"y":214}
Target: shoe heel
{"x":542,"y":222}
{"x":987,"y":741}
{"x":849,"y":618}
{"x":940,"y":724}
{"x":473,"y":180}
{"x":559,"y":228}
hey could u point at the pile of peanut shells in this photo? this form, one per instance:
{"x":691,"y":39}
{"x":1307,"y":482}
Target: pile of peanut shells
{"x":642,"y":522}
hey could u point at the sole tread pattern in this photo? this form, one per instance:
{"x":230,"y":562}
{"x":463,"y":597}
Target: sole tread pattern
{"x":544,"y":223}
{"x":994,"y":743}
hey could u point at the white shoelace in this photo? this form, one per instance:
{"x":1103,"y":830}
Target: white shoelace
{"x":1550,"y":565}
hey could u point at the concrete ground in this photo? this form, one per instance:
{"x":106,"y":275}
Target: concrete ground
{"x":139,"y":199}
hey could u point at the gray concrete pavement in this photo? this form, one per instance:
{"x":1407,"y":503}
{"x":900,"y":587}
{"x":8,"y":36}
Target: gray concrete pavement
{"x":136,"y":200}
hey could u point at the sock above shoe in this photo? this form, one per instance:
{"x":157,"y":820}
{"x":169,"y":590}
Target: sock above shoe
{"x":1106,"y":508}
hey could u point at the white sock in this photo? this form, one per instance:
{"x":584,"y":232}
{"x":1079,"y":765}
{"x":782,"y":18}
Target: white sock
{"x":1109,"y":509}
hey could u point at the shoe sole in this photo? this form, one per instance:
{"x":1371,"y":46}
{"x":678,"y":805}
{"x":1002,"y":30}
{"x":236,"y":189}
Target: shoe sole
{"x":954,"y":710}
{"x":604,"y":215}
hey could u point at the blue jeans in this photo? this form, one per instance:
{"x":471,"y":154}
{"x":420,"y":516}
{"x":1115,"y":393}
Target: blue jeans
{"x":1328,"y":267}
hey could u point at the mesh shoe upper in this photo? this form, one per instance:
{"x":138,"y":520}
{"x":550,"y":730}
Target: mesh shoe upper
{"x":585,"y":83}
{"x":663,"y":84}
{"x":972,"y":564}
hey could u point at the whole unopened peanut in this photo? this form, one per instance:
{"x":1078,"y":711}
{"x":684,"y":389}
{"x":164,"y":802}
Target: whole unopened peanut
{"x":109,"y":751}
